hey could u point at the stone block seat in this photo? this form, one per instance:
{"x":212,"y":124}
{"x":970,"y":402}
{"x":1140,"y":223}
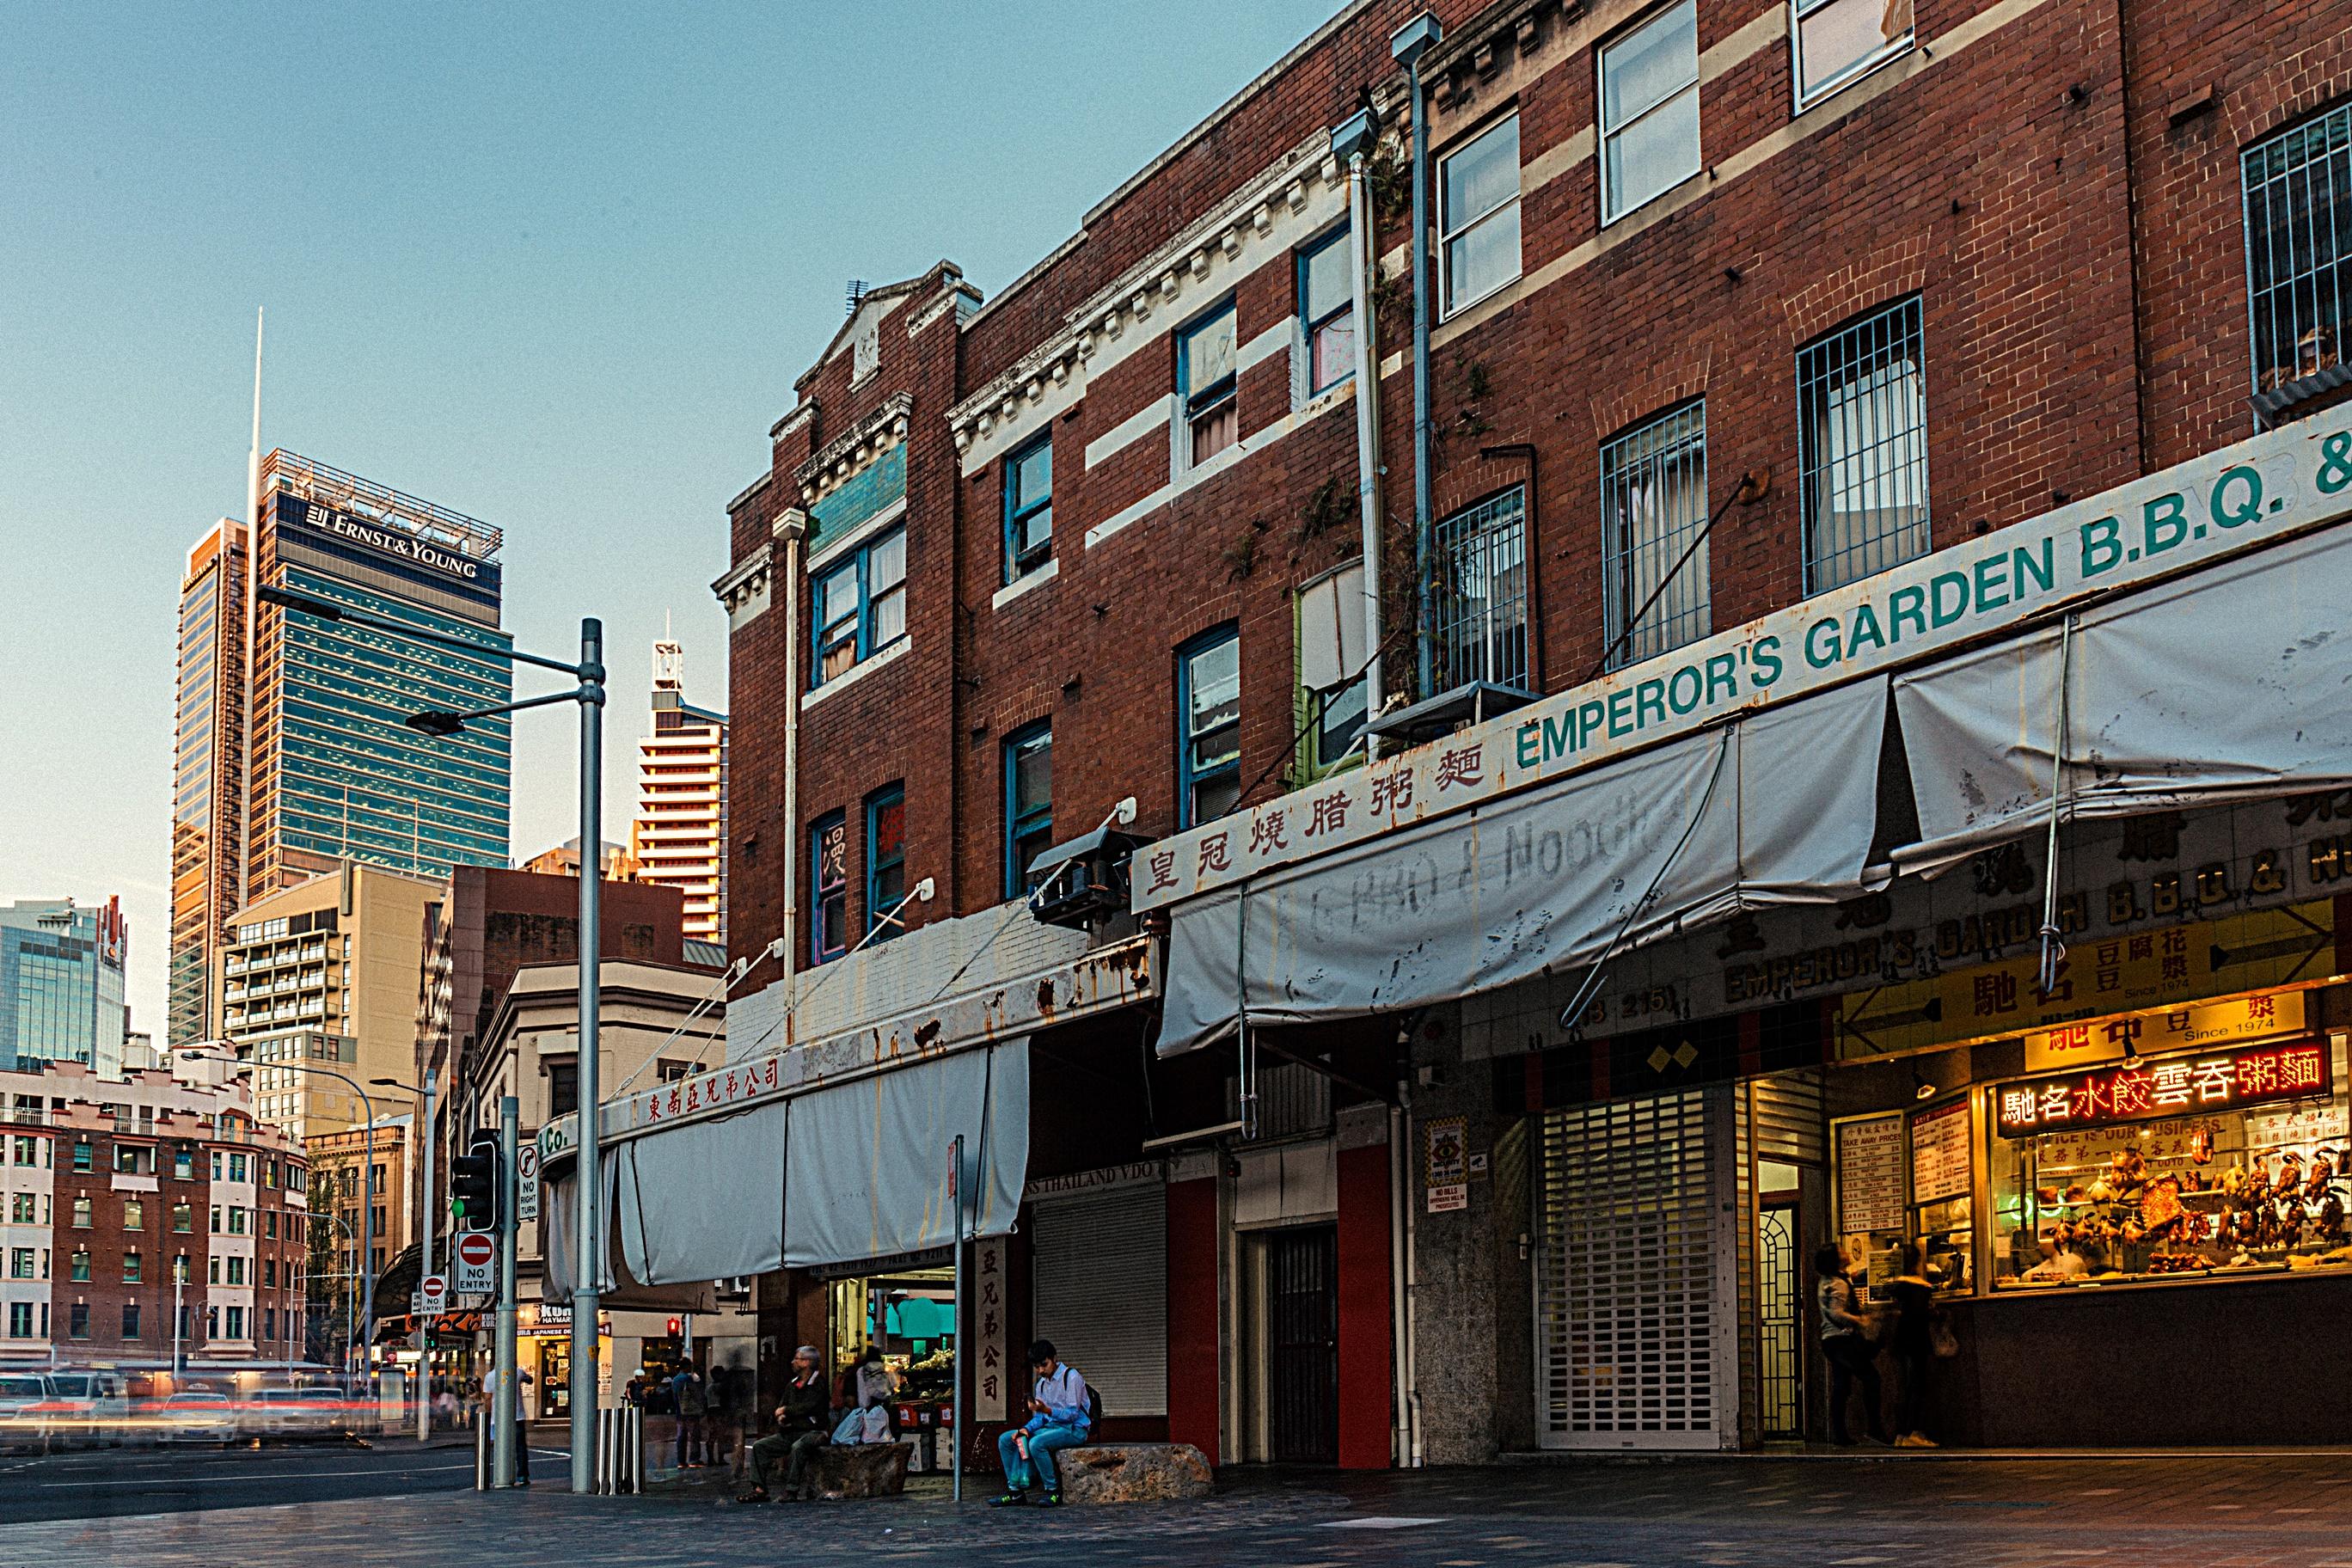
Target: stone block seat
{"x":1132,"y":1472}
{"x":862,"y":1469}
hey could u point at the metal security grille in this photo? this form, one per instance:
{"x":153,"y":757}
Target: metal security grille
{"x":1652,"y":505}
{"x":1780,"y":1385}
{"x":1116,"y":1336}
{"x":1861,"y":447}
{"x":1479,"y":586}
{"x":1304,"y":1284}
{"x":1632,"y":1322}
{"x":2298,"y":195}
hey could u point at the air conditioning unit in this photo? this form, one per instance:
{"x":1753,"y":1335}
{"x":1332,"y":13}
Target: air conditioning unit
{"x":1084,"y":882}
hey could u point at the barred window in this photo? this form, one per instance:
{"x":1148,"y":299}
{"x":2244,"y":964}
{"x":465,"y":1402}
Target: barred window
{"x":2298,"y":217}
{"x":1652,"y":506}
{"x":1478,"y":564}
{"x":1861,"y":447}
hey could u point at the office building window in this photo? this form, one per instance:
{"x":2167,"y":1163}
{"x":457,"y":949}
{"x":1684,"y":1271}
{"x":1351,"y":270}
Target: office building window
{"x":20,"y":1263}
{"x":20,"y":1320}
{"x":1028,"y":802}
{"x":1327,"y":310}
{"x":184,"y":1217}
{"x":131,"y":1266}
{"x":562,"y":1088}
{"x":2298,"y":199}
{"x":1207,"y":366}
{"x":1029,"y":507}
{"x":1861,"y":447}
{"x":78,"y":1320}
{"x":216,"y":1165}
{"x":184,"y":1165}
{"x":81,"y":1213}
{"x":886,"y":859}
{"x":1208,"y":726}
{"x":20,"y":1208}
{"x":134,"y":1214}
{"x":1649,"y":111}
{"x":216,"y":1219}
{"x":236,"y":1167}
{"x":235,"y":1322}
{"x":130,"y":1320}
{"x":1478,"y":216}
{"x":236,"y":1270}
{"x":84,"y":1155}
{"x":1479,"y":593}
{"x":236,"y":1219}
{"x":861,"y":606}
{"x":1652,"y":506}
{"x":1834,"y":41}
{"x":21,"y":1149}
{"x":829,"y":887}
{"x":78,"y":1267}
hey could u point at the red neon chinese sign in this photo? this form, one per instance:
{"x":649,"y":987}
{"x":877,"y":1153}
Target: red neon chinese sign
{"x":2144,"y":1092}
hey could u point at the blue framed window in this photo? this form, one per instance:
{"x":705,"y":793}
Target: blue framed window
{"x":829,"y":889}
{"x":860,"y":605}
{"x":1326,"y":307}
{"x":885,"y":858}
{"x":1207,"y":367}
{"x":1029,"y":507}
{"x":1208,"y":726}
{"x":1028,"y":802}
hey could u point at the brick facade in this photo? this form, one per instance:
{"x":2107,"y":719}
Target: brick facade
{"x":2056,"y":180}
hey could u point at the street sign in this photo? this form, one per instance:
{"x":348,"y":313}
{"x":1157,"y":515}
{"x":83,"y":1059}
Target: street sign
{"x":527,"y":1181}
{"x":434,"y":1292}
{"x":475,"y":1254}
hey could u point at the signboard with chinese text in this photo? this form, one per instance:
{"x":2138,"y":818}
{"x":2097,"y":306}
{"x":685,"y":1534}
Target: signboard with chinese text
{"x":1869,"y":1173}
{"x":1940,"y":1147}
{"x":2261,"y":1015}
{"x":2256,"y":492}
{"x":1446,"y":1147}
{"x":2146,"y":1091}
{"x":995,"y":1379}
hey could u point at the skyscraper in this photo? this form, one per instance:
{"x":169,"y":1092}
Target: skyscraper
{"x":308,"y":763}
{"x":679,"y":837}
{"x":61,"y":985}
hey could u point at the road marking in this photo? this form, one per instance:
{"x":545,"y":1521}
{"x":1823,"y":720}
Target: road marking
{"x":1378,"y":1522}
{"x":192,"y":1482}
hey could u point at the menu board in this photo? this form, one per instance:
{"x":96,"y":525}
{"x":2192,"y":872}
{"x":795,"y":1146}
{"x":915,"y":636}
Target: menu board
{"x":1870,"y":1174}
{"x":1940,"y":1166}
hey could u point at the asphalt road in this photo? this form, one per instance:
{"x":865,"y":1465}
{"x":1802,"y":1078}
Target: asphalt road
{"x":2247,"y":1510}
{"x":115,"y":1482}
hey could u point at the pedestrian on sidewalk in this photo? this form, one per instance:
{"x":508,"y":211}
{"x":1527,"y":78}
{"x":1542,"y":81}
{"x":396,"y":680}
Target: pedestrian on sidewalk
{"x":722,"y":1419}
{"x":1061,"y":1415}
{"x":689,"y":1399}
{"x":801,"y":1430}
{"x":1846,"y":1330}
{"x":1913,"y":1346}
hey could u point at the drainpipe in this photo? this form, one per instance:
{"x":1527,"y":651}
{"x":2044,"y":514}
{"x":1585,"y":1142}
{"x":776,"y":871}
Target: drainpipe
{"x":1411,"y":41}
{"x":791,"y":528}
{"x":1352,"y":141}
{"x":1400,"y":1203}
{"x":1411,"y":1291}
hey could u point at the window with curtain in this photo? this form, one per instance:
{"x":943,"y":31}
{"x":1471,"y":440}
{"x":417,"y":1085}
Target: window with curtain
{"x":1862,"y":450}
{"x":1327,"y":311}
{"x":1652,"y":506}
{"x":2298,"y":222}
{"x":885,"y":858}
{"x":1028,"y":802}
{"x":1649,"y":111}
{"x":1478,"y":216}
{"x":1207,"y":361}
{"x":861,"y":606}
{"x":1479,"y":592}
{"x":1834,"y":41}
{"x":1209,"y":717}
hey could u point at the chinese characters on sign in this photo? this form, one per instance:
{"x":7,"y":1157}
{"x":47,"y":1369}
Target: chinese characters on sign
{"x":2183,"y":1086}
{"x":1870,"y":1174}
{"x":722,"y":1086}
{"x":1940,"y":1167}
{"x":2262,"y":1016}
{"x":993,"y":1385}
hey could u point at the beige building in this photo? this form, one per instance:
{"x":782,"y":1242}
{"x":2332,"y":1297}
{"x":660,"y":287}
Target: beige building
{"x":340,"y":1174}
{"x":679,"y":837}
{"x":532,"y":1051}
{"x":325,"y":972}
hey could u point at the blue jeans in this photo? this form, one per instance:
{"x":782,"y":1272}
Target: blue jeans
{"x":1038,"y":1468}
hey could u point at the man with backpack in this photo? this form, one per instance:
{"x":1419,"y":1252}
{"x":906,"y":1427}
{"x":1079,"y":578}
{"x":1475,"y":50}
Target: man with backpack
{"x":1062,"y":1412}
{"x":690,"y":1395}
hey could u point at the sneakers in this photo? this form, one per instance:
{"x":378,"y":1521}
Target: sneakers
{"x":1915,"y":1440}
{"x":1051,"y":1500}
{"x":1016,"y":1498}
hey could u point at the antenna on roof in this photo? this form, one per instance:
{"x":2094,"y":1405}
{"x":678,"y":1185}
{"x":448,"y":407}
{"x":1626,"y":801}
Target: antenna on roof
{"x":857,"y":287}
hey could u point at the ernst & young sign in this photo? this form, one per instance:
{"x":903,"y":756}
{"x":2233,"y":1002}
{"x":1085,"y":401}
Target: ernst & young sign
{"x":2255,"y":492}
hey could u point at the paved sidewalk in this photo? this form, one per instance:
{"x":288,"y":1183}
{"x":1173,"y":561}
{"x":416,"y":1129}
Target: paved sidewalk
{"x":2240,"y":1512}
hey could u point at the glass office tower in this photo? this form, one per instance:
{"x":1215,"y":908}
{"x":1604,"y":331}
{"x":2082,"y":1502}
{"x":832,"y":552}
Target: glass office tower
{"x":61,"y":983}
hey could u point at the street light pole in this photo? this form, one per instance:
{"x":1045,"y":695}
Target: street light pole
{"x":424,"y":1261}
{"x":587,"y":1266}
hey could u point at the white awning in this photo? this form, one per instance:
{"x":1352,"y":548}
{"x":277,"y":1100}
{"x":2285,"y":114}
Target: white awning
{"x":1777,"y":808}
{"x":2231,"y":684}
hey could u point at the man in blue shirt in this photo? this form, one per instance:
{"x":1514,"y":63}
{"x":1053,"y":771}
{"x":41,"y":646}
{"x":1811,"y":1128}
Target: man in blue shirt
{"x":1060,"y":1416}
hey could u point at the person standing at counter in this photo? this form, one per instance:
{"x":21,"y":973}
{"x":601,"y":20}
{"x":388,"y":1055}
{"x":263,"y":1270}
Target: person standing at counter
{"x":1845,"y":1344}
{"x":1913,"y":1345}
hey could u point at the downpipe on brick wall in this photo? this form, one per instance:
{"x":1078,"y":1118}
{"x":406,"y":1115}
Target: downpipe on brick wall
{"x":1354,"y":142}
{"x":792,"y":527}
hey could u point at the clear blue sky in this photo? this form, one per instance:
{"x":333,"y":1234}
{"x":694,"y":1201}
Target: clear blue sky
{"x":555,"y":267}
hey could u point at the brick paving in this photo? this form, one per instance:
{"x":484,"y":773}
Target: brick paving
{"x":2239,"y":1511}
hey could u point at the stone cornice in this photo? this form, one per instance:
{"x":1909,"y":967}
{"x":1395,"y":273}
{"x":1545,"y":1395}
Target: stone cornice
{"x":748,"y":578}
{"x":856,"y":449}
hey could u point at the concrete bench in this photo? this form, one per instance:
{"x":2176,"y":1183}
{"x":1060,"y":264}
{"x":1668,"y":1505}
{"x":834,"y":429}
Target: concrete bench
{"x":1132,"y":1472}
{"x":862,"y":1469}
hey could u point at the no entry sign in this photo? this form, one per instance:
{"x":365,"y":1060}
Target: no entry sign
{"x":476,"y":1251}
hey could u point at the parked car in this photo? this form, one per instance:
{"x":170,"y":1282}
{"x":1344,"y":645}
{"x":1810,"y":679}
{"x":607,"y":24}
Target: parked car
{"x":24,"y":1425}
{"x":196,"y":1415}
{"x":86,"y":1407}
{"x":296,"y":1414}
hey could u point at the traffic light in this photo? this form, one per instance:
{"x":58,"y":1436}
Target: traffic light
{"x":474,"y":1184}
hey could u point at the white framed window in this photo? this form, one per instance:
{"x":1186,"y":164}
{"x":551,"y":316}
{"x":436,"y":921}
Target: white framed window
{"x":1649,"y":111}
{"x":1208,"y":364}
{"x":1327,"y":311}
{"x":1478,"y":216}
{"x":1830,"y":42}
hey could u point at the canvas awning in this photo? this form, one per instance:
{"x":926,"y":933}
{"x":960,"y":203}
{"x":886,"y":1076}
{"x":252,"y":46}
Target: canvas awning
{"x":1776,"y":808}
{"x":832,"y":1173}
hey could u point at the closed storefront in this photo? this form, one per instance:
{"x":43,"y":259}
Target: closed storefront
{"x":1100,"y":1283}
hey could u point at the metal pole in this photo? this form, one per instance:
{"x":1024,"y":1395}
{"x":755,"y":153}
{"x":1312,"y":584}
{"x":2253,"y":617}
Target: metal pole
{"x":1368,"y":389}
{"x":367,"y":1244}
{"x":955,"y":1407}
{"x":1421,"y":368}
{"x":424,"y":1336}
{"x":502,"y":1355}
{"x":588,"y":1267}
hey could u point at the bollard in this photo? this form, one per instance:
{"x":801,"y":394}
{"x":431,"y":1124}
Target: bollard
{"x":481,"y":1451}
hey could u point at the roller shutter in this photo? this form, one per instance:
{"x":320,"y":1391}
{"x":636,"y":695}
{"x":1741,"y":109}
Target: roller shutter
{"x":1101,"y":1278}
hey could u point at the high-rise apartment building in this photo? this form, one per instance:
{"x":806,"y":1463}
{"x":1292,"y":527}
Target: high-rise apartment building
{"x":325,"y":972}
{"x":679,"y":836}
{"x":308,"y":763}
{"x":61,"y":985}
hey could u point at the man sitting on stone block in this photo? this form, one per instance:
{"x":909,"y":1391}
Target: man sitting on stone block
{"x":802,"y":1428}
{"x":1061,"y":1414}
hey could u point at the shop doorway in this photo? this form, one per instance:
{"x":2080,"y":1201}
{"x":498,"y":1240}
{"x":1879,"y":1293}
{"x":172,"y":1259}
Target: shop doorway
{"x":1303,"y":1342}
{"x":1780,"y":1314}
{"x":554,"y":1379}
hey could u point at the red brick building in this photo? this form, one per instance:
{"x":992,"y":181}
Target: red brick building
{"x":1731,"y":305}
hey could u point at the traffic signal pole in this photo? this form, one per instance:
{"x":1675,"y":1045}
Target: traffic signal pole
{"x":423,"y":1319}
{"x":502,"y":1407}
